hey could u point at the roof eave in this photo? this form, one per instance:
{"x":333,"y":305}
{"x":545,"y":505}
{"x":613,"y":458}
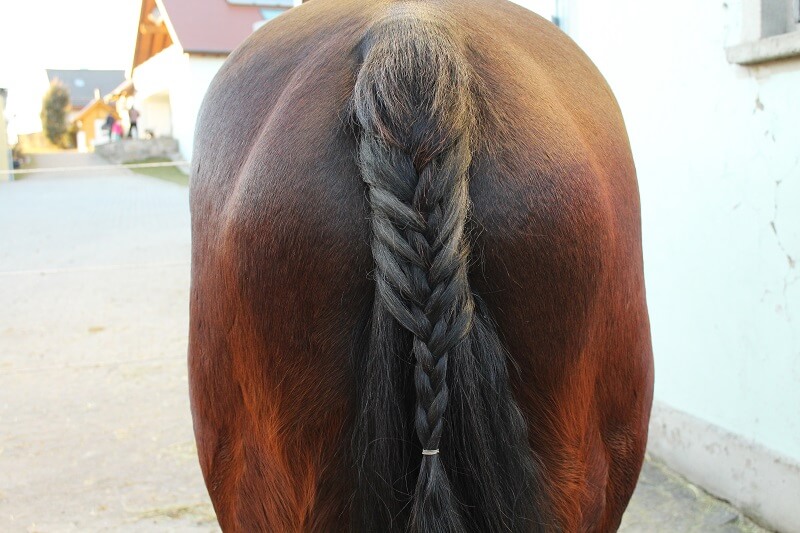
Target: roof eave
{"x":170,"y":29}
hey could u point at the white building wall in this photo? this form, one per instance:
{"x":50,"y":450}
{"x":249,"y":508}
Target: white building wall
{"x":155,"y":75}
{"x":192,"y":87}
{"x":717,"y":149}
{"x":154,"y":81}
{"x":184,"y":78}
{"x":155,"y":115}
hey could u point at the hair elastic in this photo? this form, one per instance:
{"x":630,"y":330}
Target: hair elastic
{"x":430,"y":452}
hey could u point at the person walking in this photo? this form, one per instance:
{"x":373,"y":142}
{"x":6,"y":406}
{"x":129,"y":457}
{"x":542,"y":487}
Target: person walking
{"x":108,"y":125}
{"x":133,"y":116}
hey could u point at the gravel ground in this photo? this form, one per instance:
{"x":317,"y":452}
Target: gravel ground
{"x":95,"y":430}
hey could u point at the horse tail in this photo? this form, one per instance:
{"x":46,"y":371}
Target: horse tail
{"x":415,"y":109}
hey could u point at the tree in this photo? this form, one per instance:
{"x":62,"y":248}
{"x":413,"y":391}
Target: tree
{"x":55,"y":106}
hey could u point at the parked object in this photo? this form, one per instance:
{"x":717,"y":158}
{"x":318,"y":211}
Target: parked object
{"x":417,"y":294}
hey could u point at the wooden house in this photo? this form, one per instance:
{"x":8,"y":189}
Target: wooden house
{"x":90,"y":121}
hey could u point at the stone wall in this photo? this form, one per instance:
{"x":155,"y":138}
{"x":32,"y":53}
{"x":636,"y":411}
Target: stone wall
{"x":127,"y":150}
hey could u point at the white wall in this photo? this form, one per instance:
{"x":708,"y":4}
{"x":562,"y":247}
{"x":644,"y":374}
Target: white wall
{"x":155,"y":75}
{"x":154,"y":81}
{"x":717,"y":149}
{"x":155,"y":114}
{"x":187,"y":94}
{"x":185,"y":78}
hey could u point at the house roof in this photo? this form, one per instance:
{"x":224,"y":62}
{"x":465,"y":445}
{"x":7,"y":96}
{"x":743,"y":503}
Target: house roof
{"x":82,"y":83}
{"x":125,"y":88}
{"x":200,"y":26}
{"x":211,"y":26}
{"x":97,"y":102}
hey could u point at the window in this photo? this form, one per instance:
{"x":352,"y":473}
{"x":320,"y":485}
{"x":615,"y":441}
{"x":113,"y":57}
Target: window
{"x":771,"y":31}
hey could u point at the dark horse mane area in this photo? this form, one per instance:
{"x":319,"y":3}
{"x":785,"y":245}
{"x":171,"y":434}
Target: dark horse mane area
{"x":417,"y":295}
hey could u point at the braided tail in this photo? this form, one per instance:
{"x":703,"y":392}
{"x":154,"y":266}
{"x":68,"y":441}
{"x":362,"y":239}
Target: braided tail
{"x":413,"y":101}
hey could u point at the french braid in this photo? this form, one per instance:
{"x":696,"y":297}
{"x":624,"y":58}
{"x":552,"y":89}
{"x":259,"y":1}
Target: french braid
{"x":419,"y":208}
{"x":414,"y":104}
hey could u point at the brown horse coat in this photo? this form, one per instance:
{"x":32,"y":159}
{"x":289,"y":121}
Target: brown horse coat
{"x":282,"y":262}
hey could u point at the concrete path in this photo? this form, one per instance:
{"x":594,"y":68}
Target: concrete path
{"x":95,"y":430}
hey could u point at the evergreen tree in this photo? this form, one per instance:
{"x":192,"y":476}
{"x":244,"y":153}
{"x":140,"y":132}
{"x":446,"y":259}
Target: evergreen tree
{"x":55,"y":106}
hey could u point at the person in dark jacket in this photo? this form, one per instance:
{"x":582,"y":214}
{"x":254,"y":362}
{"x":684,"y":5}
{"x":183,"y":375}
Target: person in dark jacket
{"x":133,"y":115}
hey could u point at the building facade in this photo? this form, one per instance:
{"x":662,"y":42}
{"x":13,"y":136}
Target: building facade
{"x":709,"y":94}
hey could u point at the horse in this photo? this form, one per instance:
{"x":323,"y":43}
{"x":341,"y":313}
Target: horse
{"x":417,"y":298}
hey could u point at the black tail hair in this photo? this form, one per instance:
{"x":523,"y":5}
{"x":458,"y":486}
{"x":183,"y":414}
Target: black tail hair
{"x":472,"y":468}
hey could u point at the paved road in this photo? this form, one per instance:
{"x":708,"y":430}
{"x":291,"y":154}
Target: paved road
{"x":95,"y":431}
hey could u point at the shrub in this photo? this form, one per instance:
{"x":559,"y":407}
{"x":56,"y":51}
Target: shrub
{"x":55,"y":106}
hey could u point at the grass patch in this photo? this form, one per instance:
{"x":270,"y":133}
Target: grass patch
{"x":171,"y":174}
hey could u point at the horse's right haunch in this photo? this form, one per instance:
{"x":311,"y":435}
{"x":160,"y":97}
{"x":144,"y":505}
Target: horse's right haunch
{"x":417,"y":295}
